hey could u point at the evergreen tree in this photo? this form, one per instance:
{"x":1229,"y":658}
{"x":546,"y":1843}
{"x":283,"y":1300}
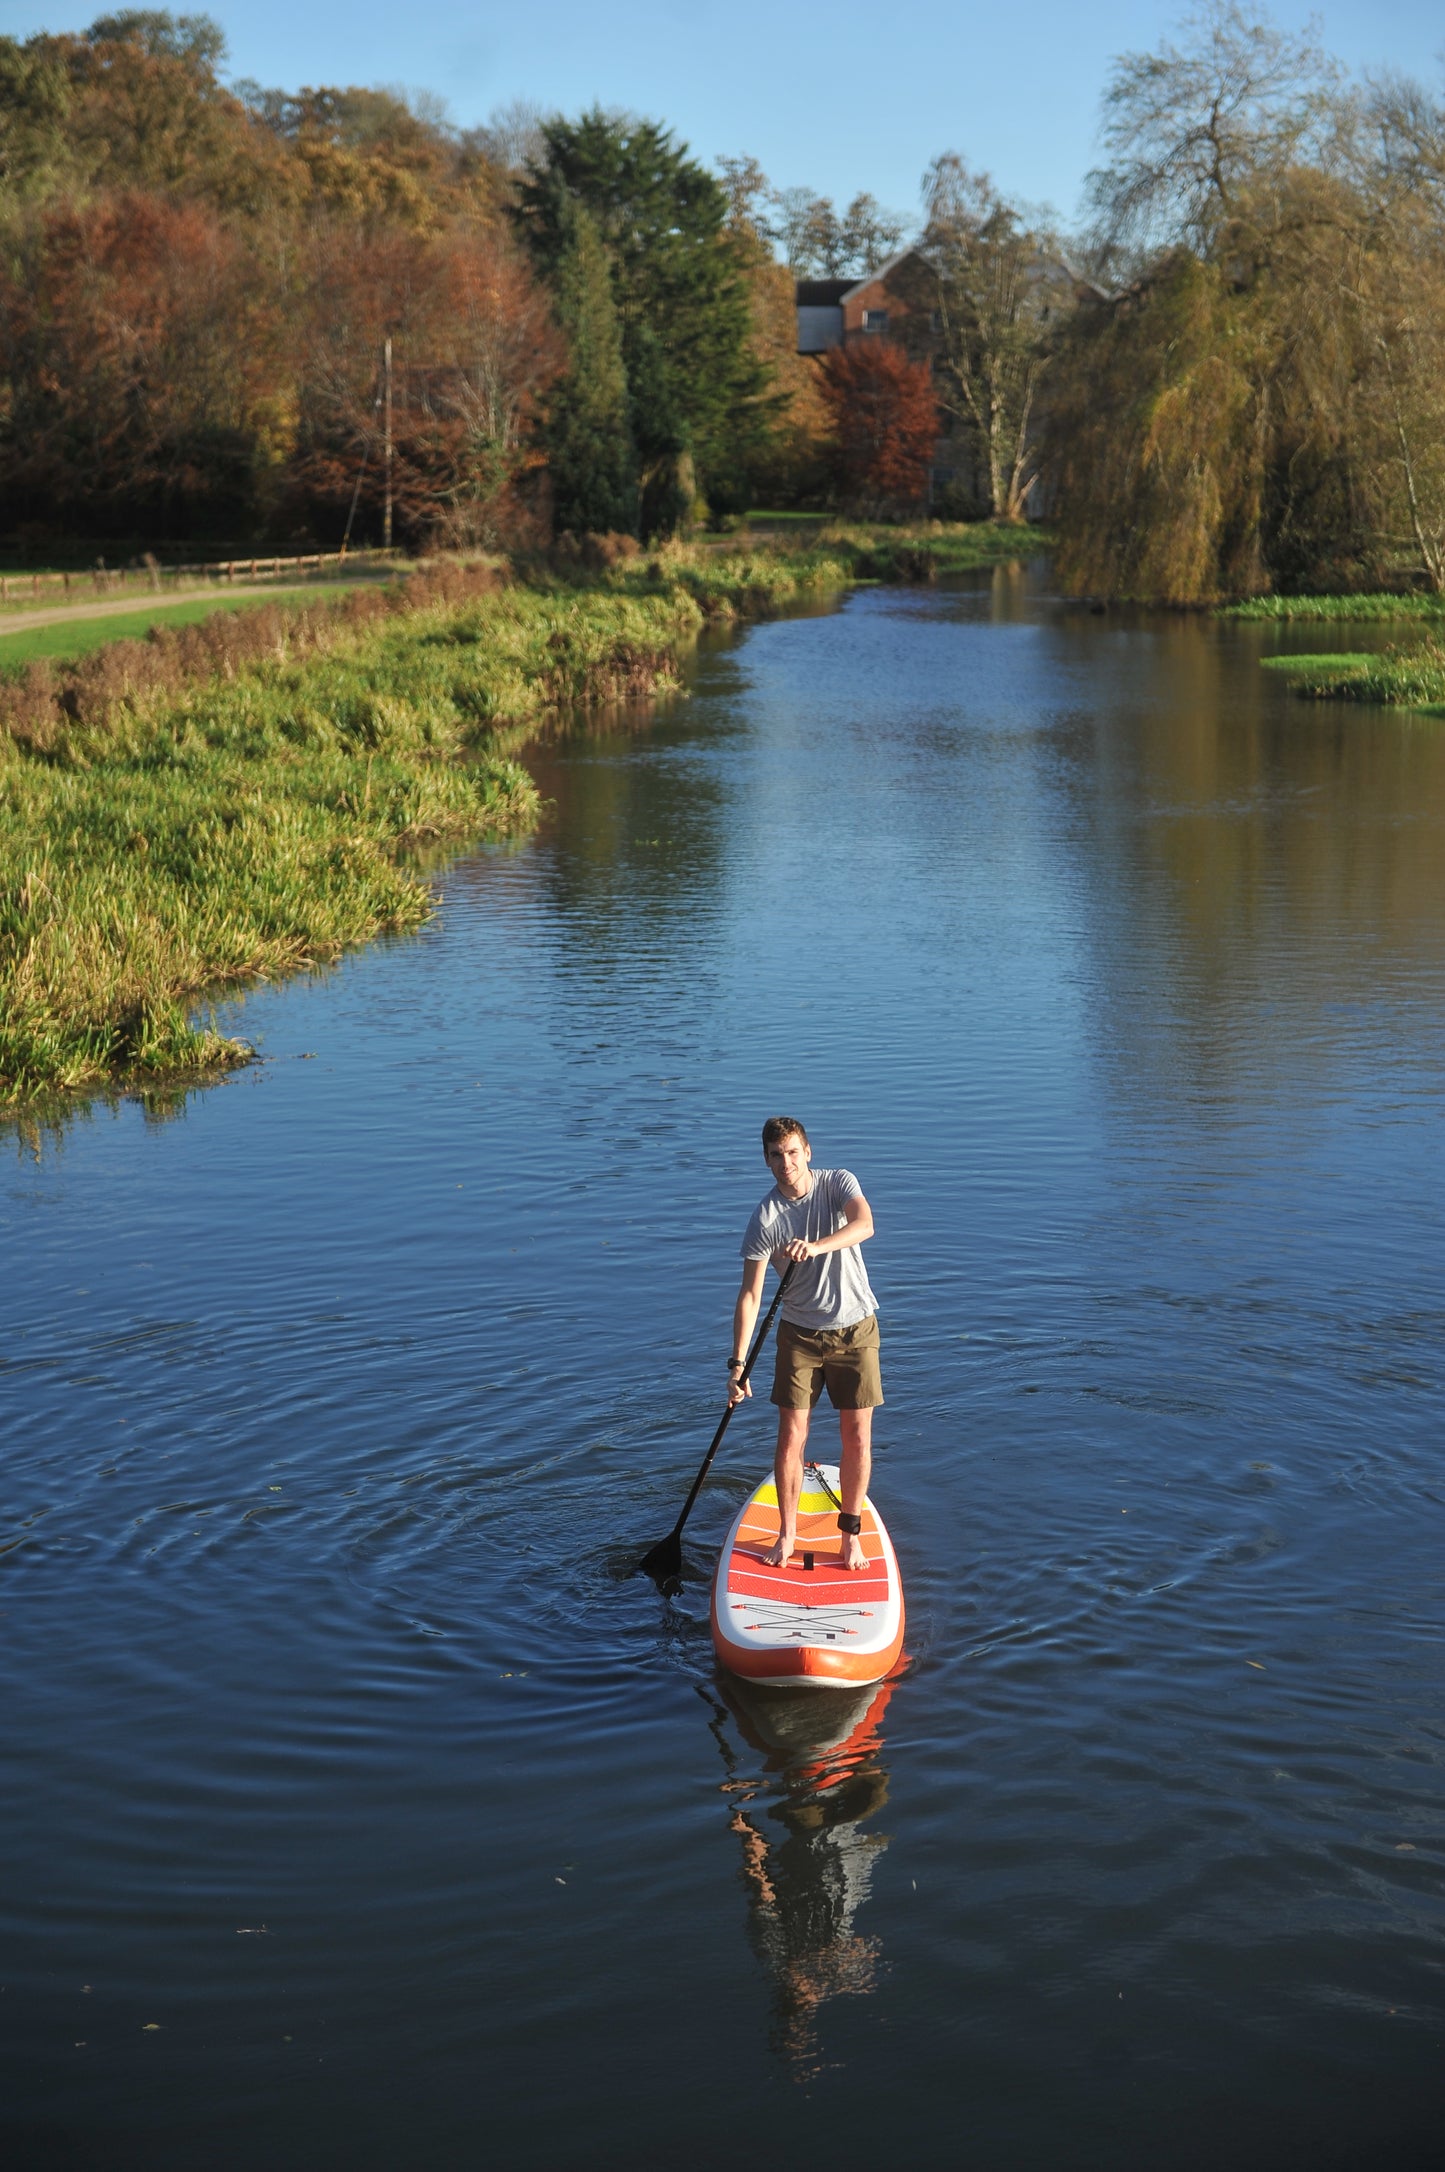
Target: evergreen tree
{"x":696,"y":385}
{"x":588,"y":438}
{"x":667,"y":471}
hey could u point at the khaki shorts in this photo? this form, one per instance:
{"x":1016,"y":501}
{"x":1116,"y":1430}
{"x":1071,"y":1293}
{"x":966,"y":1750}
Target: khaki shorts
{"x":842,"y":1359}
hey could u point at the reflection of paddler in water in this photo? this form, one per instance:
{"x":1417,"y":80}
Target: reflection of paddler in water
{"x":807,"y":1863}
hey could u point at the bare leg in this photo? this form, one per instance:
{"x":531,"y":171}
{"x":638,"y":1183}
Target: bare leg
{"x":788,"y":1475}
{"x":856,"y":1430}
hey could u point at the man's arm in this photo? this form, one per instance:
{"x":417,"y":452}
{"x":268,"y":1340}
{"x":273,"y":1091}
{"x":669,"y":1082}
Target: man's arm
{"x":857,"y":1226}
{"x":745,"y":1312}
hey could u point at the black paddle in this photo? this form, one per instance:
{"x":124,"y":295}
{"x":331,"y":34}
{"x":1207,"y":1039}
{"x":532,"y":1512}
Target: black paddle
{"x":663,"y":1562}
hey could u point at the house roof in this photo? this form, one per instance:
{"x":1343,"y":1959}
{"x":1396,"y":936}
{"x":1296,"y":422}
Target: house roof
{"x":869,"y":279}
{"x":832,"y":293}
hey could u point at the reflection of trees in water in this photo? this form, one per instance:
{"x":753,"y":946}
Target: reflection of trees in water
{"x":641,"y":827}
{"x":1247,"y":863}
{"x":807,"y":1863}
{"x":633,"y":882}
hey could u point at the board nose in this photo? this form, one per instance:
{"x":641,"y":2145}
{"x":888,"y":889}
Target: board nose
{"x":823,"y":1665}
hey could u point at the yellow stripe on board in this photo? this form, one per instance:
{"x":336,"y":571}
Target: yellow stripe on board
{"x":809,"y":1504}
{"x":812,"y":1504}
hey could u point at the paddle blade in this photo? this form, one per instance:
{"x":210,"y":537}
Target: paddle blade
{"x":663,"y":1562}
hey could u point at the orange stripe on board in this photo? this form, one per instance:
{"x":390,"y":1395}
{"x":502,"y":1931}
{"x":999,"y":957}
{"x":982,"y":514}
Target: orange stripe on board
{"x":825,"y":1557}
{"x":772,"y":1525}
{"x":818,"y":1591}
{"x":826,"y":1547}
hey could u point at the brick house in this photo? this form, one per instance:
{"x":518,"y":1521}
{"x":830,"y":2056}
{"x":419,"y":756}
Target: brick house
{"x":834,"y":312}
{"x":892,"y":303}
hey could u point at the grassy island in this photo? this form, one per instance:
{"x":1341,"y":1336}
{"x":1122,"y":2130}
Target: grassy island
{"x":1341,"y":610}
{"x":226,"y":802}
{"x":1408,"y":675}
{"x":1411,"y":676}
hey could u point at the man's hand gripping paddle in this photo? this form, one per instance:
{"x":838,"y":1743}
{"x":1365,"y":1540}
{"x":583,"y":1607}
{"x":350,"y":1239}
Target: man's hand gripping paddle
{"x":663,"y":1563}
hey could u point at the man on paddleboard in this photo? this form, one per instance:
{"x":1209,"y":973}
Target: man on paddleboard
{"x":828,"y":1331}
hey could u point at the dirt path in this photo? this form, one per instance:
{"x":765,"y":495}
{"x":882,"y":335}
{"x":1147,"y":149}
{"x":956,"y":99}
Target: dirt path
{"x":14,"y":622}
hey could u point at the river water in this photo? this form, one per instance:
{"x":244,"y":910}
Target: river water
{"x":363,"y":1812}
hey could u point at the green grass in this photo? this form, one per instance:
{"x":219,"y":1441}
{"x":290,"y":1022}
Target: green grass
{"x":786,"y":517}
{"x":1359,"y":609}
{"x":1401,"y":678}
{"x":77,"y":636}
{"x":246,"y":796}
{"x":926,"y":548}
{"x":1339,"y":664}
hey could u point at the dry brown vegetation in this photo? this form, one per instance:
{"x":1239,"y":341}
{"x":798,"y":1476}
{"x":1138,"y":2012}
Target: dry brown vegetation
{"x":48,"y":706}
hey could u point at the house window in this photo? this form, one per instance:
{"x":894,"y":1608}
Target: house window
{"x":875,"y":320}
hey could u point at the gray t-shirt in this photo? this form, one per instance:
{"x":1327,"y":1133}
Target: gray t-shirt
{"x":828,"y":1292}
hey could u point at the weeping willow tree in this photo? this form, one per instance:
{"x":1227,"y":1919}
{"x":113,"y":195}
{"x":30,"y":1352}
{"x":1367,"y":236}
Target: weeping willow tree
{"x":1397,"y":300}
{"x":1156,"y":434}
{"x":1249,"y":394}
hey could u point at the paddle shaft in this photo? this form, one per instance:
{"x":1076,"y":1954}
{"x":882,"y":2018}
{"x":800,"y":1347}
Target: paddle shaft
{"x":758,"y":1340}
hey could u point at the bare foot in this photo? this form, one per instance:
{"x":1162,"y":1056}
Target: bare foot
{"x":850,"y":1552}
{"x":779,"y":1553}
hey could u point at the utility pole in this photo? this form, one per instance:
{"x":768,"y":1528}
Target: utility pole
{"x":386,"y":445}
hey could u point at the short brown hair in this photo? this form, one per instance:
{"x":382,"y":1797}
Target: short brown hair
{"x":778,"y":1128}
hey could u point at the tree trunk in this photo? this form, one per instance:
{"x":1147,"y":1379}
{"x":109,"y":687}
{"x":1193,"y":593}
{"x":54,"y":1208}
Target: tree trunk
{"x":1021,"y":481}
{"x":1430,"y":556}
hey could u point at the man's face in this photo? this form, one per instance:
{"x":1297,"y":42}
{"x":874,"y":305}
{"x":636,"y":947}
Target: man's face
{"x":789,"y":1161}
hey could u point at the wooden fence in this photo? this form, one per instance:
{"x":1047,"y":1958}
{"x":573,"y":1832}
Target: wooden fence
{"x":154,"y":577}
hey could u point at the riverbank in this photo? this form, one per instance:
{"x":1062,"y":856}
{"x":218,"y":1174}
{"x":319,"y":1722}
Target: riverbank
{"x":1344,"y":610}
{"x":232,"y":801}
{"x":1411,"y":677}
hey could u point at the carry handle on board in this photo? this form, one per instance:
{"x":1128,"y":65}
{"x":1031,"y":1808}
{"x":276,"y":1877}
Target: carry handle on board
{"x":663,"y":1562}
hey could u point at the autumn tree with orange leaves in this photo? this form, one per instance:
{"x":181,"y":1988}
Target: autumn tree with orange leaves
{"x":144,"y":357}
{"x":475,"y":353}
{"x":194,"y":291}
{"x":885,"y":421}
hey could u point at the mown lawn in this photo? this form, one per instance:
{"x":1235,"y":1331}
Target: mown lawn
{"x":78,"y":636}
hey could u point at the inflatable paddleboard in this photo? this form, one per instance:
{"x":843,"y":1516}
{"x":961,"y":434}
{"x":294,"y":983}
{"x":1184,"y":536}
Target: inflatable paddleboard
{"x":810,"y":1624}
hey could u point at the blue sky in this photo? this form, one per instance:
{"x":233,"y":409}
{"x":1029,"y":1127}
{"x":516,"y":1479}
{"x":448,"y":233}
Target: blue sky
{"x":839,"y":97}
